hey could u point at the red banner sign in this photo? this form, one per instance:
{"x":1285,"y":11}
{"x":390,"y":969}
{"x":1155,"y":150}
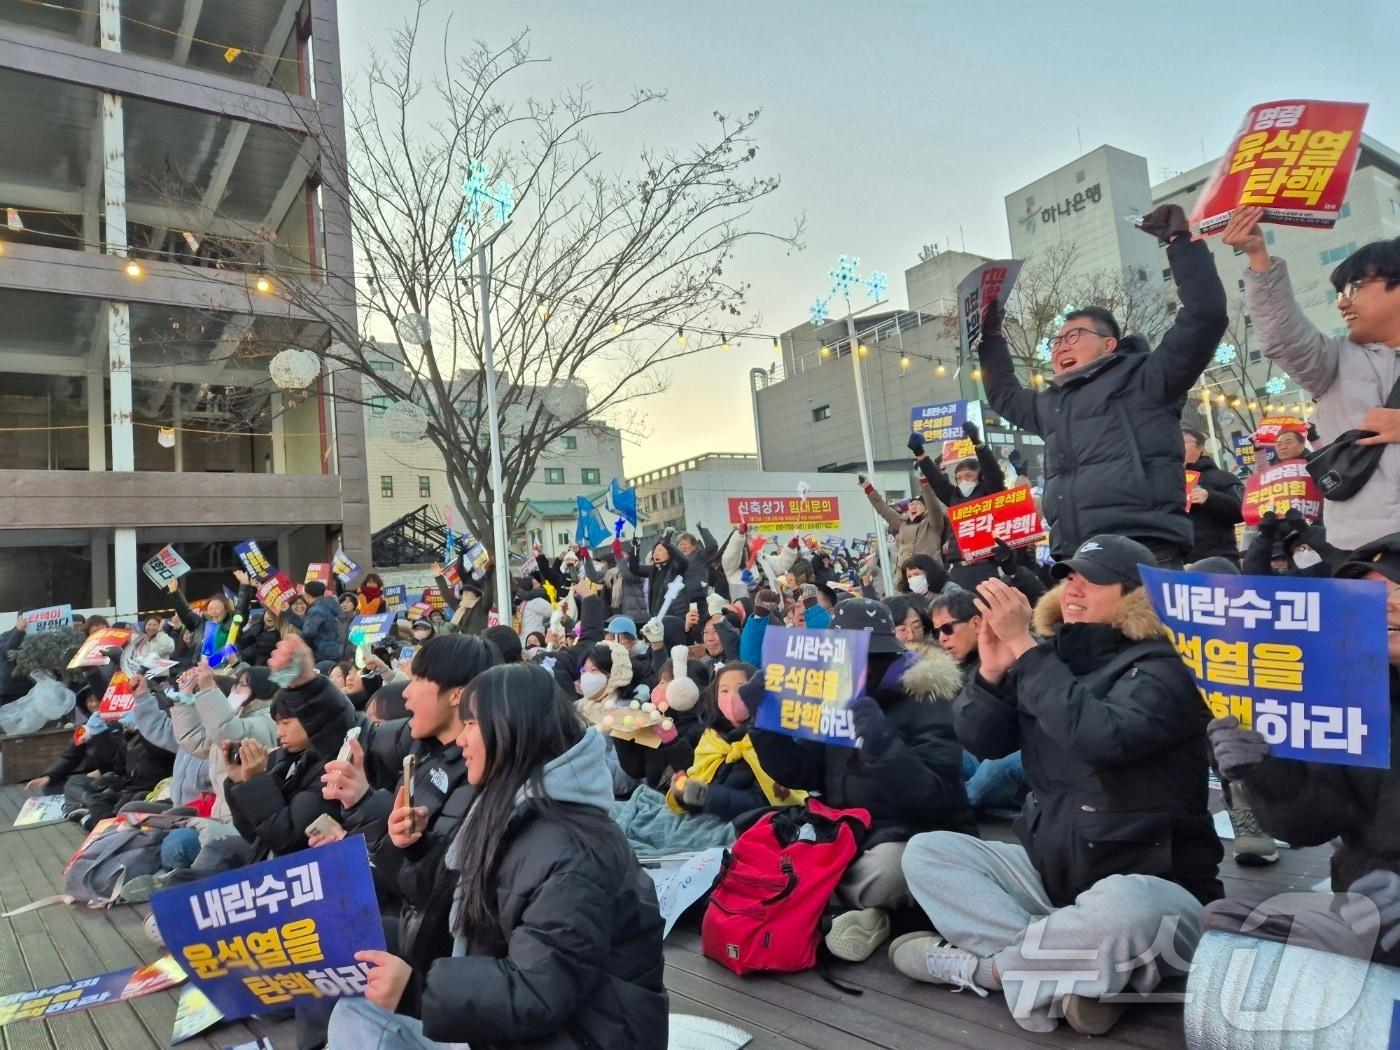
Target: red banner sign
{"x":1293,"y":158}
{"x":276,"y":593}
{"x":319,"y":570}
{"x":434,"y":598}
{"x":118,"y":699}
{"x":1273,"y":426}
{"x":1192,"y":478}
{"x":1010,"y":516}
{"x":1280,"y":488}
{"x":787,"y":513}
{"x":90,"y":653}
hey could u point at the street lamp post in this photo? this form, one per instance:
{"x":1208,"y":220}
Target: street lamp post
{"x":842,"y":277}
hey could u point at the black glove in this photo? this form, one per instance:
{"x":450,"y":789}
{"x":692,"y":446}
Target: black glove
{"x":1017,"y":461}
{"x":991,"y":321}
{"x":1292,"y":524}
{"x":871,"y":726}
{"x":1236,"y":750}
{"x":694,"y":795}
{"x":971,"y":432}
{"x":1312,"y":433}
{"x":751,"y":692}
{"x":1166,"y":223}
{"x":916,"y":445}
{"x":1268,"y":524}
{"x":1004,"y":558}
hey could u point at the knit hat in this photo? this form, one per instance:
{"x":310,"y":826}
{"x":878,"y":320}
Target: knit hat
{"x":322,"y":711}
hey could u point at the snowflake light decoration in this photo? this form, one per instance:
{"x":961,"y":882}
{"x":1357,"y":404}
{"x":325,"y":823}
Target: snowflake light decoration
{"x":461,"y":243}
{"x":818,"y":313}
{"x":1225,"y":354}
{"x":844,"y":275}
{"x":405,"y":422}
{"x":1276,"y":385}
{"x":294,"y":368}
{"x":1042,"y":349}
{"x":414,"y":328}
{"x":481,"y":198}
{"x":876,"y":285}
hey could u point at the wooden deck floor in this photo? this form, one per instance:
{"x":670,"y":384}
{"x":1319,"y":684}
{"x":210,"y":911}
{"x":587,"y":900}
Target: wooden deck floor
{"x":784,"y":1013}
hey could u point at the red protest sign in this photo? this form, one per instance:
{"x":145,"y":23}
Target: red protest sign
{"x":1280,"y":488}
{"x":451,"y":575}
{"x":118,"y":699}
{"x":1010,"y":516}
{"x":1273,"y":426}
{"x":90,"y":653}
{"x":957,"y":451}
{"x":1192,"y":477}
{"x":787,"y":513}
{"x":275,"y":593}
{"x":1292,"y":158}
{"x":319,"y":570}
{"x":434,"y":598}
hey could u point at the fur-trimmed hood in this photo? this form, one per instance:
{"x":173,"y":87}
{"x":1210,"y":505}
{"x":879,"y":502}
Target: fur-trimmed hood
{"x":927,"y":673}
{"x":1134,"y":616}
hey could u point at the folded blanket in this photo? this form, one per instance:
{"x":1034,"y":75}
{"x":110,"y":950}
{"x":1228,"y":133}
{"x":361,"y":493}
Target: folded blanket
{"x":654,"y":831}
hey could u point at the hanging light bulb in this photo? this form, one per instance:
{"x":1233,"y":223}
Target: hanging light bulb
{"x":724,"y":342}
{"x":133,"y":269}
{"x":263,"y":285}
{"x":543,"y":309}
{"x":776,"y":348}
{"x":1035,"y":379}
{"x":941,"y":370}
{"x":680,"y":337}
{"x":1220,"y":399}
{"x":862,"y":349}
{"x":1270,"y":408}
{"x":904,"y":361}
{"x":617,"y":325}
{"x":1234,"y":402}
{"x":1253,"y":405}
{"x":976,"y":375}
{"x":165,"y":437}
{"x":826,"y":351}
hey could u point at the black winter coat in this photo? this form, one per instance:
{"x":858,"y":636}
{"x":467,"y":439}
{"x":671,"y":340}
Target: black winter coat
{"x":1111,"y":731}
{"x":1113,"y":446}
{"x":1214,"y":521}
{"x":654,"y":765}
{"x":272,"y":810}
{"x":1309,"y":804}
{"x":661,"y":577}
{"x":13,"y":685}
{"x":991,"y":480}
{"x":255,"y":646}
{"x":915,"y":784}
{"x":104,"y":753}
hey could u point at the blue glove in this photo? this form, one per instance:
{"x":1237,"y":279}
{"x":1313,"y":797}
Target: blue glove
{"x":95,"y":725}
{"x":129,"y":719}
{"x":873,"y":734}
{"x":1383,"y":889}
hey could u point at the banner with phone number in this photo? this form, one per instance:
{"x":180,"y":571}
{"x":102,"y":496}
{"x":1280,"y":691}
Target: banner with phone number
{"x":809,"y":678}
{"x":1010,"y":516}
{"x":1303,"y":661}
{"x":787,"y":513}
{"x":279,"y":933}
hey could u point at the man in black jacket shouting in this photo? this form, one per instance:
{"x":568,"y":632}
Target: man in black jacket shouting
{"x":1216,"y":502}
{"x":1111,"y":415}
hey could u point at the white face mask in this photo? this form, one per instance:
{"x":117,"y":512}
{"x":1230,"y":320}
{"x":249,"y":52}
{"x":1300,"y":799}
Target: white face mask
{"x":918,"y":584}
{"x":239,"y":697}
{"x":591,"y":683}
{"x":966,"y":487}
{"x":1306,"y":559}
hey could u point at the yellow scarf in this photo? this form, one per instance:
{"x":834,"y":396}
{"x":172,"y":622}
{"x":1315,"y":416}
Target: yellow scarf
{"x":714,"y":751}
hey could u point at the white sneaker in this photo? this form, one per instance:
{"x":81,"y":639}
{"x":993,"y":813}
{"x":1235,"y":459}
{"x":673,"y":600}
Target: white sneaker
{"x":153,"y":930}
{"x":929,"y":958}
{"x":855,"y":935}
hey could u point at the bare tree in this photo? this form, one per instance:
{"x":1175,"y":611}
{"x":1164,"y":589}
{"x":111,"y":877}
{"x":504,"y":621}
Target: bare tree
{"x":599,"y":274}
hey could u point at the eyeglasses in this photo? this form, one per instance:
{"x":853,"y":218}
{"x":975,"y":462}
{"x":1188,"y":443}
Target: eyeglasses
{"x":1071,"y":337}
{"x":1350,"y":289}
{"x":947,"y":629}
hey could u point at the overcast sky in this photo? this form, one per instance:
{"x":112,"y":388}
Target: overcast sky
{"x":898,"y":123}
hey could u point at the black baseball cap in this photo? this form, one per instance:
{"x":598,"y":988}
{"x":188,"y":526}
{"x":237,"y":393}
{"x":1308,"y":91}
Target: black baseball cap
{"x":1382,"y":556}
{"x":863,"y":614}
{"x":1105,"y":559}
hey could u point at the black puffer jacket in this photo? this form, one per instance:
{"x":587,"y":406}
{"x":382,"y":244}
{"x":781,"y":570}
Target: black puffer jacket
{"x":916,"y":783}
{"x":661,"y":577}
{"x":1214,"y":520}
{"x":991,"y":479}
{"x":1113,"y":447}
{"x":1111,"y":731}
{"x":1309,"y":804}
{"x":576,"y":962}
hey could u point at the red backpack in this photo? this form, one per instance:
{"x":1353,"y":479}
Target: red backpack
{"x":765,"y":912}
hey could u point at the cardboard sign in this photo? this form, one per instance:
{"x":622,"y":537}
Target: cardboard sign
{"x":255,"y":563}
{"x":344,"y":569}
{"x":1273,"y":426}
{"x":1009,"y":516}
{"x":320,"y":570}
{"x":276,"y":592}
{"x":119,"y":698}
{"x":1301,"y":660}
{"x":49,"y":618}
{"x":944,"y":423}
{"x":272,"y":934}
{"x":73,"y":996}
{"x":810,"y":677}
{"x":90,"y":654}
{"x":989,"y":283}
{"x":368,"y":630}
{"x":1192,"y":478}
{"x":165,"y":565}
{"x":787,"y":514}
{"x":1293,"y":158}
{"x":1280,"y":488}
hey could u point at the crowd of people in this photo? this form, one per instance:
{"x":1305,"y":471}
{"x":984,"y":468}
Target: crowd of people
{"x":625,"y":681}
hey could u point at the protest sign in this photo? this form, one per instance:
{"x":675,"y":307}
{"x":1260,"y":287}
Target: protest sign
{"x":1301,"y":660}
{"x":395,"y":597}
{"x":49,"y":618}
{"x":72,"y":996}
{"x":319,"y":570}
{"x":1244,"y":450}
{"x":1280,"y":488}
{"x":1272,"y":426}
{"x":1009,"y":516}
{"x":276,"y":592}
{"x":1292,"y":158}
{"x":40,"y":810}
{"x":475,"y":554}
{"x":194,"y":1013}
{"x":1193,"y":477}
{"x":90,"y":653}
{"x":255,"y":563}
{"x":809,"y":678}
{"x":119,"y":697}
{"x":989,"y":283}
{"x":368,"y":630}
{"x":344,"y":569}
{"x":275,"y":933}
{"x":165,"y":565}
{"x":680,"y":885}
{"x":786,"y":513}
{"x":943,"y":424}
{"x":452,"y":575}
{"x":418,"y":610}
{"x":434,"y":598}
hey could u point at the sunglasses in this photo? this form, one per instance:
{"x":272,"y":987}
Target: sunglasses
{"x":946,"y":629}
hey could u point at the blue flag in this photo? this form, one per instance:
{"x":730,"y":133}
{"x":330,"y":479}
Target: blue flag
{"x":590,"y":530}
{"x":624,"y":501}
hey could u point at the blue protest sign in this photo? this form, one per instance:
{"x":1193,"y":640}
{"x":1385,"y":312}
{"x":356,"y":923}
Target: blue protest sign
{"x":255,"y":563}
{"x":396,"y":597}
{"x":1301,"y":660}
{"x":809,"y":678}
{"x":278,"y":932}
{"x":371,"y":629}
{"x":344,"y":569}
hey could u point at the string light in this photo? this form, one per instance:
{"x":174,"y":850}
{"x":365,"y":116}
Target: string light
{"x":862,"y":349}
{"x":1220,"y":399}
{"x":724,"y":342}
{"x":904,"y":361}
{"x":1035,"y":379}
{"x":941,"y":370}
{"x":776,"y":348}
{"x":263,"y":285}
{"x":1270,"y":408}
{"x":1234,"y":402}
{"x":617,"y":325}
{"x":133,"y":269}
{"x":976,"y":375}
{"x":1253,"y":405}
{"x":680,"y":337}
{"x":543,"y":309}
{"x":826,"y":351}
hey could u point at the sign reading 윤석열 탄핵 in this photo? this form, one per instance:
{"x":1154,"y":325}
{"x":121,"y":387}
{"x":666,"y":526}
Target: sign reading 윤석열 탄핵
{"x":1303,"y":661}
{"x":809,"y":679}
{"x":276,"y":933}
